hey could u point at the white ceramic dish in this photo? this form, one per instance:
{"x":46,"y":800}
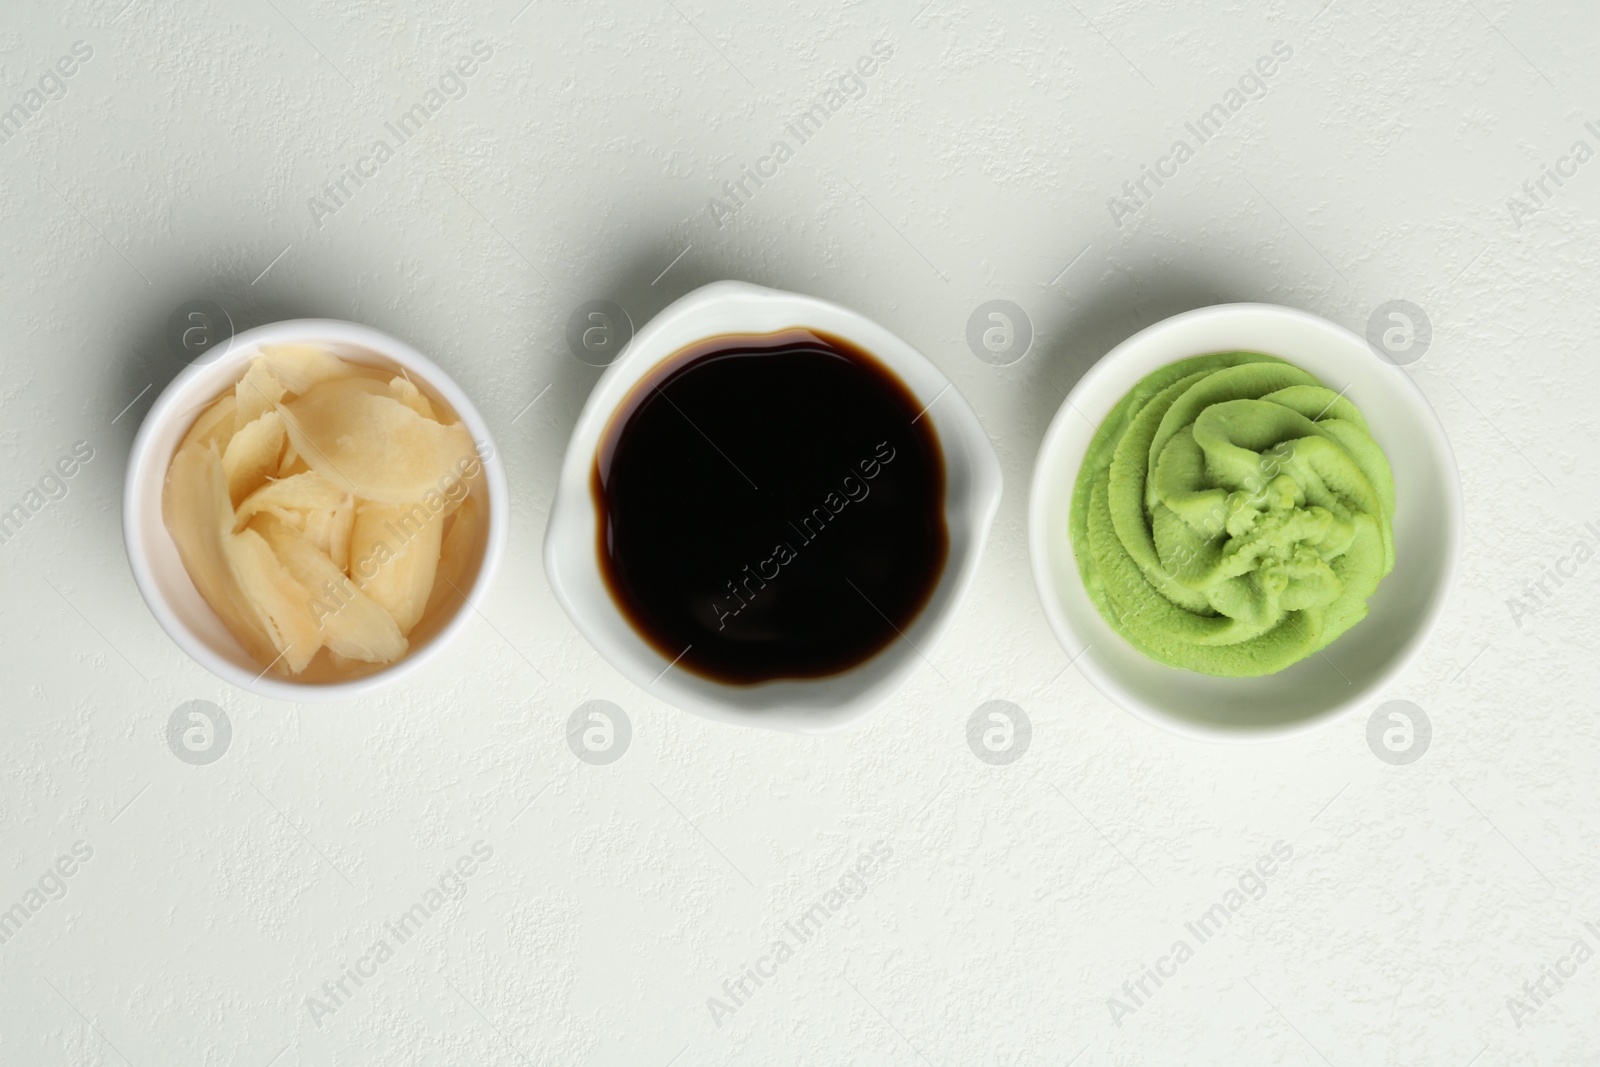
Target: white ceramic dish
{"x":1427,"y":532}
{"x":153,"y":556}
{"x":972,"y":495}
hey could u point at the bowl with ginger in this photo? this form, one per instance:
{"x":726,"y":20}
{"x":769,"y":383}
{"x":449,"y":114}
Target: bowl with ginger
{"x":312,"y":514}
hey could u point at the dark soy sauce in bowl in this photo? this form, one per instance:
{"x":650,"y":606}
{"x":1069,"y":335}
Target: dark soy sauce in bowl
{"x":770,"y":506}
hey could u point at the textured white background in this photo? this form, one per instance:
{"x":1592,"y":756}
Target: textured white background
{"x":976,"y":166}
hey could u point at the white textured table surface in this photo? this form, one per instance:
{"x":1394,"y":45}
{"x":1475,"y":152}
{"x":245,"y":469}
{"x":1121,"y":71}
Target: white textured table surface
{"x":1427,"y":913}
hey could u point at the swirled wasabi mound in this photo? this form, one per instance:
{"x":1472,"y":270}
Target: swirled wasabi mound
{"x":1233,"y":515}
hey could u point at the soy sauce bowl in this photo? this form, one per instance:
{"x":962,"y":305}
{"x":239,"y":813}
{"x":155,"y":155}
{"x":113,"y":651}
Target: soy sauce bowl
{"x":809,"y":705}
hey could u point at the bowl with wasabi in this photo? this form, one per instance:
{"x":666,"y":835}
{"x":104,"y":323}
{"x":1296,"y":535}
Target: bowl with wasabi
{"x":1243,"y":522}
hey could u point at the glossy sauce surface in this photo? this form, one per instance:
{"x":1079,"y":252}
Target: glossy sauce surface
{"x":770,"y":506}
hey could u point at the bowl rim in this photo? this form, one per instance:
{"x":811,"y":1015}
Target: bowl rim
{"x":1079,"y":646}
{"x":961,"y":436}
{"x":174,"y":402}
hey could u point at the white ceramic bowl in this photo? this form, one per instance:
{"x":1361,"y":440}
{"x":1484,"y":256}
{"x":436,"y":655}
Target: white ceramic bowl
{"x":972,"y":495}
{"x":160,"y":573}
{"x":1427,"y":532}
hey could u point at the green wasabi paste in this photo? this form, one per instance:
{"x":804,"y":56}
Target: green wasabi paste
{"x":1233,"y":515}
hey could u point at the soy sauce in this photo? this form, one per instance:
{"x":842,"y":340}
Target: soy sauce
{"x":771,"y":506}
